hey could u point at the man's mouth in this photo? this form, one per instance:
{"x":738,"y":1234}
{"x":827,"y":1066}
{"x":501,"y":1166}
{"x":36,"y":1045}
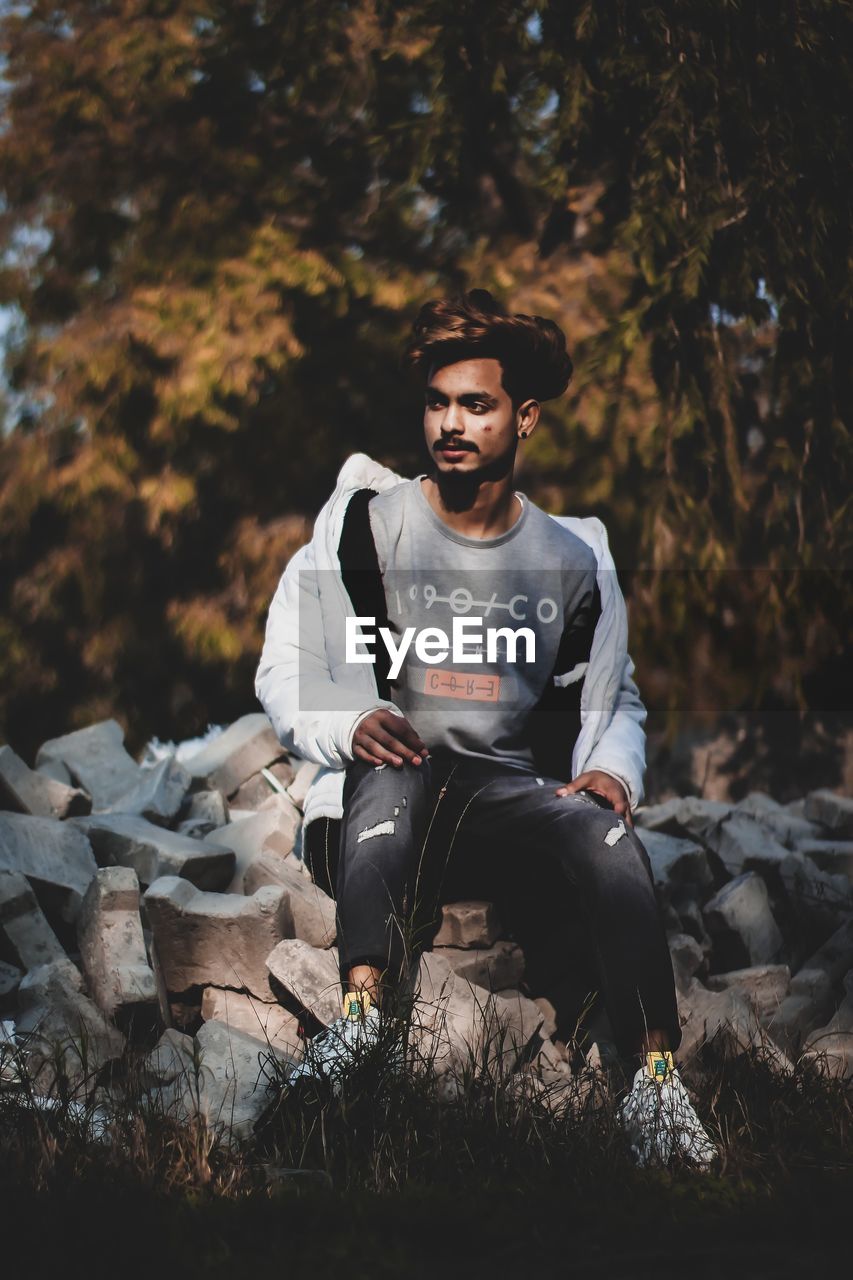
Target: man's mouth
{"x":446,"y":446}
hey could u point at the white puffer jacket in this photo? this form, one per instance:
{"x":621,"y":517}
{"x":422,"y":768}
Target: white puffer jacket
{"x":315,"y":699}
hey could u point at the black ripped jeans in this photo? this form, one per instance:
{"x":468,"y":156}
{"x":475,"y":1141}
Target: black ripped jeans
{"x":455,"y":827}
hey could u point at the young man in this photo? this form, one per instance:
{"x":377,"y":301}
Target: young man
{"x":457,"y":661}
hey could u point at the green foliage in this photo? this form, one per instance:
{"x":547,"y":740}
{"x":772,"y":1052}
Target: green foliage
{"x":218,"y":220}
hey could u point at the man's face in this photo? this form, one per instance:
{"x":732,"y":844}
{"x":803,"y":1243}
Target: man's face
{"x":468,"y":416}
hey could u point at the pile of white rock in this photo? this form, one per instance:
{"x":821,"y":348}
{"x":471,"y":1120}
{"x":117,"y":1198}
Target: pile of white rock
{"x":161,"y":912}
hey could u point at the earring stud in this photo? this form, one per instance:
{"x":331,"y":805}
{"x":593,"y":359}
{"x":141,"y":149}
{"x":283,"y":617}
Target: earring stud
{"x":524,"y":435}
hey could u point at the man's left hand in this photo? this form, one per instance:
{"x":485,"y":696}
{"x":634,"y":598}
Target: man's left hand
{"x":602,"y":784}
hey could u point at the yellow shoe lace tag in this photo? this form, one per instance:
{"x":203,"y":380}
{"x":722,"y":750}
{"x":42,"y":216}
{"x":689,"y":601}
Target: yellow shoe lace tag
{"x":356,"y":1003}
{"x":659,"y":1064}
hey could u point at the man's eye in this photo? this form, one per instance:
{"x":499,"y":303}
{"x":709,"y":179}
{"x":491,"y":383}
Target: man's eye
{"x":480,"y":408}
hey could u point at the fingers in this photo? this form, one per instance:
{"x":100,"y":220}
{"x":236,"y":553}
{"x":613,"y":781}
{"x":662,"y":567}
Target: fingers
{"x":406,"y":734}
{"x":385,"y":738}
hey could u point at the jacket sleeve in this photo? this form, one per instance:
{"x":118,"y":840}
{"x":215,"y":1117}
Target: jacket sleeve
{"x":313,"y":716}
{"x":621,"y":749}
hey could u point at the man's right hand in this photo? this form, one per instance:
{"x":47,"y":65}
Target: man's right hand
{"x":386,"y":738}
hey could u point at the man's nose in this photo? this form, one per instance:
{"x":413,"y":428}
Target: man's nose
{"x":450,"y":423}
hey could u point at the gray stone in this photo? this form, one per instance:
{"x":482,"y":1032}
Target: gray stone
{"x":158,"y":793}
{"x":741,"y":923}
{"x":310,"y":975}
{"x":56,"y":770}
{"x":832,"y":1044}
{"x":173,"y":1075}
{"x":468,"y":924}
{"x":494,"y":968}
{"x":23,"y":925}
{"x":25,"y":791}
{"x":548,"y":1011}
{"x":456,"y":1026}
{"x":689,"y":919}
{"x":96,"y":759}
{"x":795,"y":1017}
{"x":246,"y":747}
{"x":703,"y":1014}
{"x":305,"y":773}
{"x":786,"y":825}
{"x":817,"y":896}
{"x":49,"y":853}
{"x":816,"y":984}
{"x":10,"y":979}
{"x":676,"y":861}
{"x":835,"y":955}
{"x":112,"y":948}
{"x":215,"y":939}
{"x":688,"y":958}
{"x":835,"y":856}
{"x":312,"y":911}
{"x":271,"y":781}
{"x":267,"y":1022}
{"x":745,"y":844}
{"x":237,"y":1078}
{"x":210,"y":807}
{"x":764,"y":986}
{"x":685,"y":815}
{"x":123,"y":840}
{"x":57,"y":1020}
{"x":273,"y":828}
{"x":522,"y":1020}
{"x":831,"y":810}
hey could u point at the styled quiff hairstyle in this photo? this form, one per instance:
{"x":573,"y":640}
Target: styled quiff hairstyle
{"x":531,"y":350}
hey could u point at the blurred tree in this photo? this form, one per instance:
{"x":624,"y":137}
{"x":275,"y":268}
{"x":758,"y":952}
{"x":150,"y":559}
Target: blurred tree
{"x":218,"y":219}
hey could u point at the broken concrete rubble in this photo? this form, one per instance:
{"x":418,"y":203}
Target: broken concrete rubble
{"x":267,"y":1022}
{"x":494,"y":968}
{"x":312,"y":911}
{"x":27,"y":933}
{"x":741,"y":923}
{"x":832,"y":1044}
{"x":96,"y":759}
{"x":54,"y":854}
{"x":306,"y":772}
{"x":310,"y":975}
{"x":835,"y":856}
{"x":208,"y":807}
{"x":218,"y":939}
{"x":250,"y":959}
{"x":157,"y":794}
{"x":112,"y":948}
{"x":246,"y":747}
{"x":675,"y":860}
{"x":10,"y":980}
{"x":25,"y":791}
{"x":819,"y":896}
{"x":151,"y":851}
{"x":274,"y":827}
{"x":467,"y":924}
{"x":688,"y":958}
{"x":273,"y":780}
{"x":831,"y":810}
{"x":703,"y":1014}
{"x":56,"y":1019}
{"x":765,"y":986}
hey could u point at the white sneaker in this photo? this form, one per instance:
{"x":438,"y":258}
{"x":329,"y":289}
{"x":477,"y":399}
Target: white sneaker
{"x":333,"y":1051}
{"x":660,"y":1120}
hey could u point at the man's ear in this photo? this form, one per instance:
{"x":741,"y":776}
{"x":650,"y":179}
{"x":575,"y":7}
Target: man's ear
{"x":527,"y":415}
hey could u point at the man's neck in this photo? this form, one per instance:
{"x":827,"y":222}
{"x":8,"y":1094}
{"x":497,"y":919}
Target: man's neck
{"x":472,"y":506}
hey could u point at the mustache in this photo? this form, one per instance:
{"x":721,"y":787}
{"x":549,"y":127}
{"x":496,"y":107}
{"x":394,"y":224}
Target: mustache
{"x":455,"y":444}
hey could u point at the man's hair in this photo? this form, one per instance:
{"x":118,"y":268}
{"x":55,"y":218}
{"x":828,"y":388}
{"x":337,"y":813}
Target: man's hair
{"x":531,"y":350}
